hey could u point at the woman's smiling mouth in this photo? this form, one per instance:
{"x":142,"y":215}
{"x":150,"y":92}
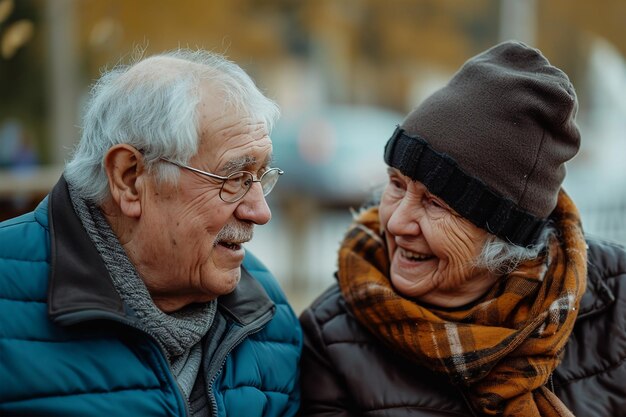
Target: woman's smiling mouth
{"x":414,"y":256}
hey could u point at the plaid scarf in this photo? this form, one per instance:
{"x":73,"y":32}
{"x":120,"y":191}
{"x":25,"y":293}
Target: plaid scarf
{"x":500,"y":350}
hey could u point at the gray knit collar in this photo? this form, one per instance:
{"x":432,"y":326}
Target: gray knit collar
{"x":177,"y":332}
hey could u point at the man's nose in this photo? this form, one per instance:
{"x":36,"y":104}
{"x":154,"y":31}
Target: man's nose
{"x":253,"y":206}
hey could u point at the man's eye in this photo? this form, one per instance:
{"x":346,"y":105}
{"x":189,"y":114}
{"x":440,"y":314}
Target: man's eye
{"x":237,"y":176}
{"x":237,"y":179}
{"x":262,"y":171}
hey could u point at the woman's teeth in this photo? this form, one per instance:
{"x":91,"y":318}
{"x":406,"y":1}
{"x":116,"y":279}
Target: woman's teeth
{"x":412,"y":256}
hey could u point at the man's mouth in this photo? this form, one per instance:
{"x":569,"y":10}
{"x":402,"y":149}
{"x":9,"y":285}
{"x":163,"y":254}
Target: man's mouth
{"x":414,"y":256}
{"x":230,"y":245}
{"x":233,"y":235}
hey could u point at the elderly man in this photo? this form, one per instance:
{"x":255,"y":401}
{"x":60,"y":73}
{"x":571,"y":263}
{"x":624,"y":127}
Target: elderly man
{"x":127,"y":290}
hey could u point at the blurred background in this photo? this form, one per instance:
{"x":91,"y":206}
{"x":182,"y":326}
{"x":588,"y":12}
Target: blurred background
{"x":344,"y":73}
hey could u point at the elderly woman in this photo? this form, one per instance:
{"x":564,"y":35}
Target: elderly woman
{"x":470,"y":288}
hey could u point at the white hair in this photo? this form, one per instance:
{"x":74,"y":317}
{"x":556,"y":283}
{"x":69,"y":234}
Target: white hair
{"x":152,"y":105}
{"x":502,"y":257}
{"x":497,"y":255}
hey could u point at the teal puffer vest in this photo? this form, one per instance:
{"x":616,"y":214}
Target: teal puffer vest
{"x":70,"y":347}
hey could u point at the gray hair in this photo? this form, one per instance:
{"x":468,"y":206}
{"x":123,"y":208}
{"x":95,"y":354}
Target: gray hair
{"x":502,"y":257}
{"x":152,"y":105}
{"x":497,"y":255}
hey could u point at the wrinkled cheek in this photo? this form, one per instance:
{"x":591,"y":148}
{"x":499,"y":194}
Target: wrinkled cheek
{"x":156,"y":251}
{"x":202,"y":258}
{"x":390,"y":245}
{"x":383,"y":216}
{"x":455,"y":274}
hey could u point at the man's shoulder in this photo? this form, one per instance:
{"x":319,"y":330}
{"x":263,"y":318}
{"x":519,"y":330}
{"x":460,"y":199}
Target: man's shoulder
{"x":24,"y":254}
{"x":26,"y":227}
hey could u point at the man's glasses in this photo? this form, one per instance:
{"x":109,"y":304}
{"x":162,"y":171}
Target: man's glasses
{"x":236,"y":185}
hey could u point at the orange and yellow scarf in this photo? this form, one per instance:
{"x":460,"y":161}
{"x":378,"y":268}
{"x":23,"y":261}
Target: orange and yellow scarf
{"x":502,"y":350}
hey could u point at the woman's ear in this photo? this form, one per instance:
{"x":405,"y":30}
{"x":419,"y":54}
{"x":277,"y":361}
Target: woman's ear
{"x":124,"y":166}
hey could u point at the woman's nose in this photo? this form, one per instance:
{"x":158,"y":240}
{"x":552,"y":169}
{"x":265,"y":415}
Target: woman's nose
{"x":405,"y":219}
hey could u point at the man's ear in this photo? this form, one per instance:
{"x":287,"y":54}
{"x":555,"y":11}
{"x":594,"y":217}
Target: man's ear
{"x":124,"y":165}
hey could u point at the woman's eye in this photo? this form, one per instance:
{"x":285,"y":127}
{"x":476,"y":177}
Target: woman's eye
{"x":396,"y":183}
{"x":395,"y":188}
{"x":435,"y":203}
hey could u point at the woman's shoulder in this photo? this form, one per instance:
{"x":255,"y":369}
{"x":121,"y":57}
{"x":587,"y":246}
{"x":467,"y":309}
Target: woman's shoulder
{"x":606,"y":259}
{"x":327,"y":305}
{"x":594,"y":362}
{"x":606,"y":278}
{"x":329,"y":317}
{"x":368,"y":377}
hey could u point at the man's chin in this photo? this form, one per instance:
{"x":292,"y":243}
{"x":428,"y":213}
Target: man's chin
{"x":229,"y":280}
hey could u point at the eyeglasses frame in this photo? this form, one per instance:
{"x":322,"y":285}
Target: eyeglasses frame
{"x":226,"y":178}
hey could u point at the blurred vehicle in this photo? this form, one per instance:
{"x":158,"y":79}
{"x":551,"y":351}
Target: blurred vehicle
{"x":334,"y":155}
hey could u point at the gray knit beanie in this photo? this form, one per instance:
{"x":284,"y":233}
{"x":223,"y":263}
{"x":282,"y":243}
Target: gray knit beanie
{"x":494,"y":141}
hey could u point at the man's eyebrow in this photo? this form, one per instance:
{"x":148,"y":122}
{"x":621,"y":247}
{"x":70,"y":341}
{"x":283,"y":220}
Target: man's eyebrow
{"x":243,"y":163}
{"x":238,"y":164}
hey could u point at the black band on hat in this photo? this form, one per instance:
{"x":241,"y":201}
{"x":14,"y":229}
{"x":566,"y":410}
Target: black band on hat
{"x":468,"y":196}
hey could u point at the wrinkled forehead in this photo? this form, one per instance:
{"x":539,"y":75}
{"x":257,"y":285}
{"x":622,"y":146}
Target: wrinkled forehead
{"x":231,"y":142}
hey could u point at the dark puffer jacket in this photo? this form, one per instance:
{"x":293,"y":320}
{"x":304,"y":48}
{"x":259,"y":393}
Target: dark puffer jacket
{"x":346,"y":371}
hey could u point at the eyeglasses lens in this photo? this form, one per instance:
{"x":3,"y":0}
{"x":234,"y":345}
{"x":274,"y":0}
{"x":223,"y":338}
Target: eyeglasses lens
{"x":238,"y":184}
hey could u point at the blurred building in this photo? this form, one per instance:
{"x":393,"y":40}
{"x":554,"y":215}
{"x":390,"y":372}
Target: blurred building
{"x":344,"y":73}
